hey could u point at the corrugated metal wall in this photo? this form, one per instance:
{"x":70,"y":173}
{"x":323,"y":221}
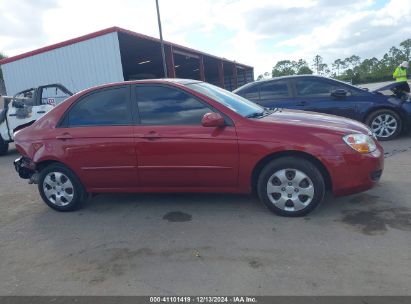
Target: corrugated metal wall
{"x":77,"y":66}
{"x":250,"y":75}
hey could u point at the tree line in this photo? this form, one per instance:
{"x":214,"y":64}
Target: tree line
{"x":351,"y":69}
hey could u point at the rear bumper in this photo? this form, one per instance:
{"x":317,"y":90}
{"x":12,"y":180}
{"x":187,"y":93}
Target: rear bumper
{"x":24,"y":167}
{"x":358,"y":173}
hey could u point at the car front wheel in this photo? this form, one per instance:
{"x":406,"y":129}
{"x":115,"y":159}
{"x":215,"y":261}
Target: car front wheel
{"x":291,"y":186}
{"x":385,"y":124}
{"x":60,"y":188}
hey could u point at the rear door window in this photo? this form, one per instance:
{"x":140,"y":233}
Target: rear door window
{"x":274,"y":90}
{"x":108,"y":107}
{"x":316,"y":88}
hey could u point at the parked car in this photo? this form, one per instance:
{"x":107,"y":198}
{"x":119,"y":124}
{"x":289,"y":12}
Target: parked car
{"x":190,"y":136}
{"x":26,"y":107}
{"x":387,"y":116}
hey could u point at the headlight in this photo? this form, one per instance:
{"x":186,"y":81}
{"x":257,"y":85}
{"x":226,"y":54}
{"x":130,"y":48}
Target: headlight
{"x":360,"y":142}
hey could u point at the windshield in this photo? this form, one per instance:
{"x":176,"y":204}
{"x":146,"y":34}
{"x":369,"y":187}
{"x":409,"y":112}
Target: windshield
{"x":236,"y":103}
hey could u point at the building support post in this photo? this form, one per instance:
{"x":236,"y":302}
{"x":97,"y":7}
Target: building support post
{"x":235,"y":79}
{"x":202,"y":74}
{"x":221,"y":74}
{"x":161,"y":41}
{"x":170,"y":62}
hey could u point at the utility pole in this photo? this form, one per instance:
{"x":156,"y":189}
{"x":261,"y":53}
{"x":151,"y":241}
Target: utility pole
{"x":161,"y":41}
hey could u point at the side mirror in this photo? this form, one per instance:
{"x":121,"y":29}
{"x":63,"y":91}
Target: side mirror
{"x":339,"y":93}
{"x":212,"y":120}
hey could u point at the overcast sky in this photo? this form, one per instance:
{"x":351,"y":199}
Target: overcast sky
{"x":255,"y":32}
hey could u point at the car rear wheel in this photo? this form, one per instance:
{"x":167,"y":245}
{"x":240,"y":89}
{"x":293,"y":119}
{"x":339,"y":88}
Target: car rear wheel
{"x":60,"y":188}
{"x":291,"y":186}
{"x":4,"y":146}
{"x":385,"y":124}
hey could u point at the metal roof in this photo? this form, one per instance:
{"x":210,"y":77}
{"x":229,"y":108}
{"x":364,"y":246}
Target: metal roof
{"x":104,"y":32}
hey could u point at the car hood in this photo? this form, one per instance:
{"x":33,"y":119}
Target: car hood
{"x":386,"y":87}
{"x":316,"y":120}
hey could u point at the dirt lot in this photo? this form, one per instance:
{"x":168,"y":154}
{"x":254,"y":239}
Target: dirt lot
{"x":188,"y":244}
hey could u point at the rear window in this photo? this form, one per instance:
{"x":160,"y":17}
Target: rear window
{"x":109,"y":107}
{"x":309,"y":87}
{"x":274,"y":90}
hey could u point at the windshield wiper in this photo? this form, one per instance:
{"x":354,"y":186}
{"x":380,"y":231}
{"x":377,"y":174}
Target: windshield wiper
{"x":267,"y":111}
{"x":256,"y":114}
{"x":271,"y":110}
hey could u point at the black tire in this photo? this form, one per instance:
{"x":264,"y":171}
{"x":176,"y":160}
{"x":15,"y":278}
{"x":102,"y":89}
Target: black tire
{"x":4,"y":147}
{"x":371,"y":121}
{"x":304,"y":203}
{"x":75,"y":192}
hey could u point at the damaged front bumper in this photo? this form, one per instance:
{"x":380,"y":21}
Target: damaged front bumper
{"x":26,"y":169}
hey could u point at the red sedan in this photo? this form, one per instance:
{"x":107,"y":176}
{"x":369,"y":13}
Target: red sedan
{"x":189,"y":136}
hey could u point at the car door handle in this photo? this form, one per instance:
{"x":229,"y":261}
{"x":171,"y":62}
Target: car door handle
{"x":301,"y":103}
{"x":151,"y":135}
{"x":41,"y":112}
{"x":64,"y":136}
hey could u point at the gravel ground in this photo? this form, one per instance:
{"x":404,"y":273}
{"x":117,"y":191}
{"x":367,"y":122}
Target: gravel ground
{"x":190,"y":244}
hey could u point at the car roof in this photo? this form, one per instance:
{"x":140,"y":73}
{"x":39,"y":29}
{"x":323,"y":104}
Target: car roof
{"x":179,"y":81}
{"x":258,"y":82}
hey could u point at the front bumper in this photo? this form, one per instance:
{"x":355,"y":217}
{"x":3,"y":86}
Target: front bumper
{"x":407,"y":108}
{"x":24,"y":167}
{"x":358,"y":172}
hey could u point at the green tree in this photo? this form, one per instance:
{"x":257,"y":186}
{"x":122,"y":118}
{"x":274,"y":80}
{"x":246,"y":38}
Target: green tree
{"x":288,"y":67}
{"x":406,"y":46}
{"x":396,"y":56}
{"x":320,"y":67}
{"x":301,"y":67}
{"x":352,"y":61}
{"x":283,"y":68}
{"x":337,"y":65}
{"x":317,"y":61}
{"x":266,"y":75}
{"x":352,"y":68}
{"x":299,"y":64}
{"x":304,"y":70}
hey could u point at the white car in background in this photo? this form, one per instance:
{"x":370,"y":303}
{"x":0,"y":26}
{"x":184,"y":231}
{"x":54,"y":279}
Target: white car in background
{"x":26,"y":107}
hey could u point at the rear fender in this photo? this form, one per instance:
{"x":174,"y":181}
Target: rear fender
{"x":23,"y":126}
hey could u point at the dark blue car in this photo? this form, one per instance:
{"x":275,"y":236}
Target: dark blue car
{"x":386,"y":114}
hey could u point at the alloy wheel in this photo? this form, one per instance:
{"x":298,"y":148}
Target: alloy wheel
{"x":58,"y":188}
{"x":384,"y":125}
{"x":290,"y":189}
